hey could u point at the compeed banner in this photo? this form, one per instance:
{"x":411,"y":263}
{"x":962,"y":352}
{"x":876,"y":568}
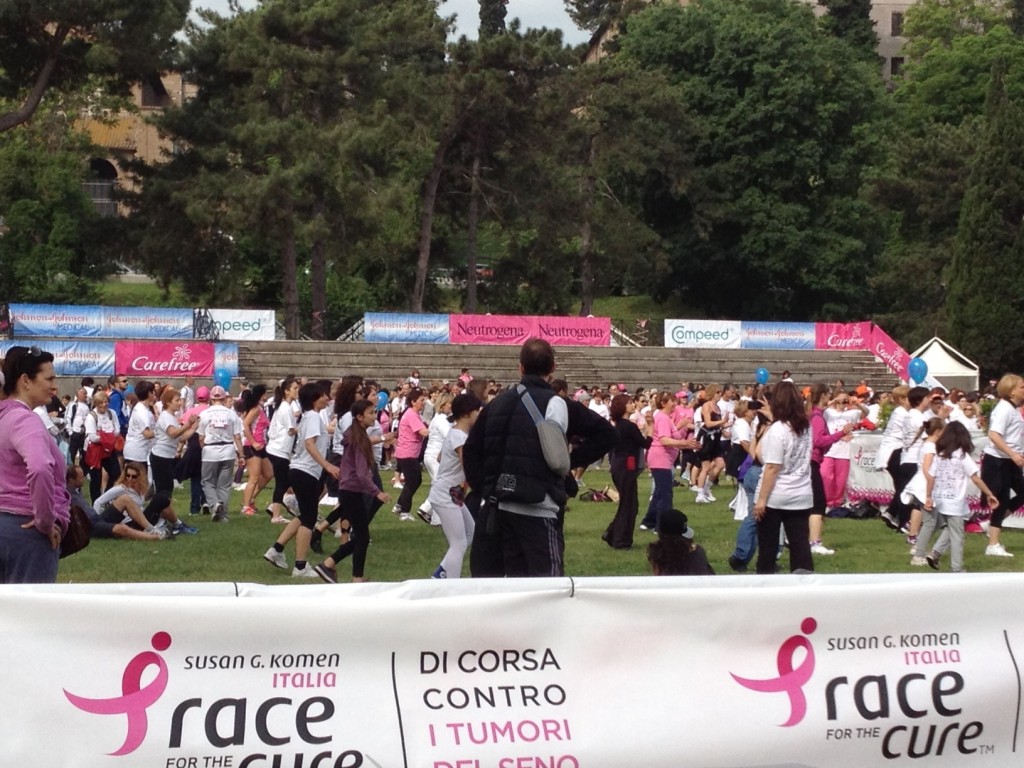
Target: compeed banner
{"x":156,"y":359}
{"x":497,"y":673}
{"x":407,"y":328}
{"x":704,"y":334}
{"x":244,"y":324}
{"x":74,"y":358}
{"x":761,"y":335}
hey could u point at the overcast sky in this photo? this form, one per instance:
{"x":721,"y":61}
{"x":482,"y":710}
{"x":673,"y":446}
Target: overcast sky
{"x":532,"y":13}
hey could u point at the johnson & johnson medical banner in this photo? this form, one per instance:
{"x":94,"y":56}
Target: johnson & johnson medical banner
{"x":758,"y":335}
{"x":155,"y":359}
{"x":514,"y":329}
{"x":50,"y":320}
{"x":707,"y":671}
{"x":408,"y":328}
{"x":74,"y":358}
{"x":702,"y":334}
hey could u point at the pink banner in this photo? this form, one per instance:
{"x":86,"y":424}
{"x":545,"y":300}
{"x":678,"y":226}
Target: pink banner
{"x":575,"y":331}
{"x":842,"y":336}
{"x":889,"y":352}
{"x":164,"y":359}
{"x":514,"y":330}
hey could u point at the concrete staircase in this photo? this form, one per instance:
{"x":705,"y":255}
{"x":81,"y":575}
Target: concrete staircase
{"x":645,"y":366}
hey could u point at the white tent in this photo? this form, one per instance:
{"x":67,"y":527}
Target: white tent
{"x":952,"y":369}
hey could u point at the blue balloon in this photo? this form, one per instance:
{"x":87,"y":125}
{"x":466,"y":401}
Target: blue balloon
{"x":918,"y":370}
{"x":129,"y":389}
{"x":761,"y":376}
{"x":222,"y":378}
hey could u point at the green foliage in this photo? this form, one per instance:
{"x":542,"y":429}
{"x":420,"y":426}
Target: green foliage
{"x":850,"y":21}
{"x":986,"y":289}
{"x":49,"y":230}
{"x":774,"y":225}
{"x":62,"y":44}
{"x":492,"y":17}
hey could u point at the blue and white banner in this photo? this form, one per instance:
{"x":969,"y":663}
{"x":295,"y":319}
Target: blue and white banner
{"x":244,"y":324}
{"x":405,"y":328}
{"x":62,"y":321}
{"x":56,"y":320}
{"x":703,"y":334}
{"x":75,"y":358}
{"x":225,"y":356}
{"x":760,"y":335}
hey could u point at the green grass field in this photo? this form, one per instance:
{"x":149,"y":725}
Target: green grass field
{"x":411,"y":550}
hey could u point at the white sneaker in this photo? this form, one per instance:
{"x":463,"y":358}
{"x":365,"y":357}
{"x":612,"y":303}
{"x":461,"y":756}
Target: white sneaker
{"x":404,"y":517}
{"x":821,"y":549}
{"x":709,"y":496}
{"x":239,"y":486}
{"x":305,"y":573}
{"x":918,"y":561}
{"x":703,"y":498}
{"x":276,"y":558}
{"x":997,"y":550}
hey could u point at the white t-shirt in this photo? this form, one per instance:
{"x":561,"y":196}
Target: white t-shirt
{"x":600,"y":409}
{"x":780,"y":445}
{"x":913,"y":437}
{"x":1006,"y":420}
{"x":836,"y":420}
{"x":339,"y":431}
{"x":450,"y":472}
{"x":165,"y":446}
{"x":77,"y":412}
{"x":951,"y":478}
{"x":918,"y":485}
{"x":116,"y":492}
{"x":436,"y":433}
{"x":137,"y":446}
{"x":892,"y":437}
{"x":741,"y":432}
{"x":217,"y":427}
{"x":279,"y":441}
{"x":96,"y":423}
{"x":311,"y":426}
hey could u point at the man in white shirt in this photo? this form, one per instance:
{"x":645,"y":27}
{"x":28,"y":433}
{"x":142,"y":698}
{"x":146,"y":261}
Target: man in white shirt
{"x":76,"y":414}
{"x":188,"y":393}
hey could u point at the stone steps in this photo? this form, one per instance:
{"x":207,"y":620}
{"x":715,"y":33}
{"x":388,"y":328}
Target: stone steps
{"x":646,"y":366}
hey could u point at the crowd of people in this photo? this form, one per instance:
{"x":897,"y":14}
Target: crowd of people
{"x":502,"y":463}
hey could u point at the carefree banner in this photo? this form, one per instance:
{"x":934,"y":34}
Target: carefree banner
{"x":706,"y":671}
{"x":156,"y":359}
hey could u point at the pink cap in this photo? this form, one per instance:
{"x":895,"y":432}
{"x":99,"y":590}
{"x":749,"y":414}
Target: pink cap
{"x":203,"y":393}
{"x":218,"y":393}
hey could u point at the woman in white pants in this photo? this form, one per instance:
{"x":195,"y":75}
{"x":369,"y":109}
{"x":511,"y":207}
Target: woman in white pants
{"x":220,"y":435}
{"x":439,"y":428}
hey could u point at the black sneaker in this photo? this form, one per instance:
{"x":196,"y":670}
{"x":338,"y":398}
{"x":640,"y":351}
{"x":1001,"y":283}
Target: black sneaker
{"x":933,"y":561}
{"x":737,"y":565}
{"x":330,"y":575}
{"x":219,"y":515}
{"x":205,"y":509}
{"x":316,"y":541}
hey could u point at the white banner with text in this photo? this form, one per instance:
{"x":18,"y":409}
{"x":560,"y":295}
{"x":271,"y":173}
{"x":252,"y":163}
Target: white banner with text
{"x":554,"y":673}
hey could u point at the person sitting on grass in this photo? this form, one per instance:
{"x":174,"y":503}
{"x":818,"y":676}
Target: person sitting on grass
{"x":674,"y":553}
{"x":101,"y":528}
{"x":125,"y":503}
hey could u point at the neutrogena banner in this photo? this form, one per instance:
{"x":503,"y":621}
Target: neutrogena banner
{"x":156,"y":359}
{"x":396,"y":328}
{"x":703,"y":334}
{"x":763,"y":335}
{"x":734,"y":671}
{"x":515,"y":329}
{"x":244,"y":324}
{"x":74,"y":358}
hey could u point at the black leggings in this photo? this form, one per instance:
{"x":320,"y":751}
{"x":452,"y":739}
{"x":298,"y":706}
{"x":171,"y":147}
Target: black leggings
{"x":113,"y":468}
{"x":412,"y":477}
{"x":356,"y":506}
{"x":1002,"y":476}
{"x":307,"y":492}
{"x":163,"y":474}
{"x":281,"y":484}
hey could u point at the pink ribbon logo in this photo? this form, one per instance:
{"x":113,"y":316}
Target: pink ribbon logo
{"x":791,"y":680}
{"x":134,"y":699}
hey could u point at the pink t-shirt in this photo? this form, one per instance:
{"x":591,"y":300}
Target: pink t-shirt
{"x":660,"y":456}
{"x":409,"y":440}
{"x":682,"y":412}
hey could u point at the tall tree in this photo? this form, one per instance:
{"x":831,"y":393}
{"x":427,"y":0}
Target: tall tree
{"x":46,"y":43}
{"x":850,"y":21}
{"x":986,"y":290}
{"x":492,"y":17}
{"x":774,"y":225}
